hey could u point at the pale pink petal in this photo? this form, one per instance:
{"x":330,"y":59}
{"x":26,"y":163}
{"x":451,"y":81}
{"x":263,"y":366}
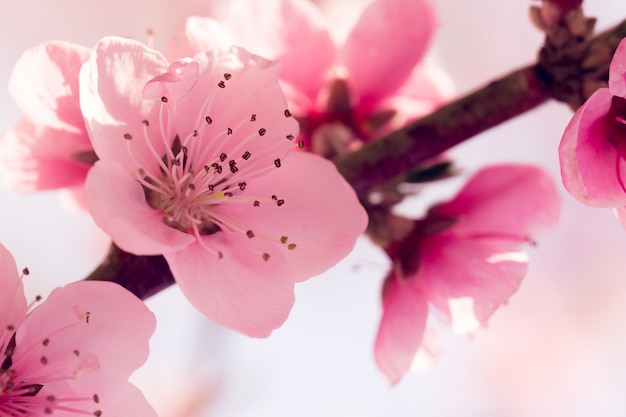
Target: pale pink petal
{"x":111,"y":99}
{"x":44,"y":83}
{"x":12,"y":300}
{"x":118,"y":206}
{"x":509,"y":201}
{"x":591,"y":166}
{"x":260,"y":124}
{"x":35,"y":157}
{"x":110,"y":395}
{"x":402,"y":325}
{"x":389,"y":39}
{"x":320,"y":216}
{"x":469,"y":278}
{"x":202,"y":34}
{"x":96,"y":318}
{"x":240,"y":290}
{"x":292,"y":31}
{"x":617,"y":71}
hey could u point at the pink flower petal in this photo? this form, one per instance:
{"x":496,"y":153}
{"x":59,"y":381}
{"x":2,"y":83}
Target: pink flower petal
{"x":259,"y":125}
{"x":80,"y":317}
{"x":308,"y":185}
{"x":241,"y":290}
{"x":483,"y":272}
{"x":504,"y":200}
{"x":118,"y":206}
{"x":293,"y":31}
{"x":111,"y":98}
{"x":388,"y":41}
{"x":617,"y":71}
{"x":114,"y":397}
{"x":402,"y":326}
{"x":44,"y":83}
{"x":12,"y":300}
{"x":34,"y":157}
{"x":588,"y":160}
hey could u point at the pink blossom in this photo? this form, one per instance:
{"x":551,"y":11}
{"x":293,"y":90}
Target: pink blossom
{"x":342,"y":92}
{"x":73,"y":354}
{"x":49,"y":147}
{"x":593,"y":147}
{"x":194,"y":164}
{"x":462,"y":259}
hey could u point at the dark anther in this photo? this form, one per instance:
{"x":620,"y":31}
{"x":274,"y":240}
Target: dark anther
{"x":96,"y":399}
{"x":277,"y":163}
{"x":250,"y":234}
{"x":217,"y":167}
{"x":229,"y":131}
{"x":301,"y":144}
{"x":227,"y":76}
{"x":195,"y":133}
{"x":221,"y":84}
{"x":290,"y":136}
{"x":223,"y":157}
{"x":233,"y":166}
{"x":291,"y":246}
{"x":145,"y":122}
{"x":242,"y":186}
{"x":283,"y":239}
{"x":266,"y":256}
{"x":262,"y":131}
{"x":25,"y":271}
{"x":280,"y":202}
{"x":46,"y":341}
{"x":97,"y":413}
{"x":164,"y":99}
{"x":228,"y":194}
{"x":274,"y":197}
{"x":43,"y":360}
{"x":257,"y":203}
{"x":253,"y":118}
{"x":128,"y":136}
{"x":76,"y":353}
{"x":87,"y":314}
{"x":51,"y":398}
{"x":208,"y":120}
{"x":287,"y":113}
{"x":211,"y":187}
{"x":246,"y":155}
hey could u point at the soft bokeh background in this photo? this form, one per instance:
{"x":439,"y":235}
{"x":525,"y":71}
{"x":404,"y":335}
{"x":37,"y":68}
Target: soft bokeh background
{"x":558,"y":348}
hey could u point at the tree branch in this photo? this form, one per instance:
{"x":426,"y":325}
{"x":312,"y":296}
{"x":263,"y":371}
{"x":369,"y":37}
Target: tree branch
{"x":570,"y":72}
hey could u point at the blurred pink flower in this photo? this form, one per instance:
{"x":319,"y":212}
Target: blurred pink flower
{"x":593,"y":148}
{"x":342,"y":93}
{"x":195,"y":165}
{"x":73,"y":354}
{"x":49,"y":147}
{"x":462,"y":259}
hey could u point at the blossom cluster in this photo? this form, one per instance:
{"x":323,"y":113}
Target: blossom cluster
{"x":217,"y":154}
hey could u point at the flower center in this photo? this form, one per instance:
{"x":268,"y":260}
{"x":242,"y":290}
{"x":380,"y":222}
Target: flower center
{"x":203,"y":169}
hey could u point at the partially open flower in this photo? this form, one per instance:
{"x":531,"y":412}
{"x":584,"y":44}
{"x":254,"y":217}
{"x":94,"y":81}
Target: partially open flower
{"x":195,"y":164}
{"x":462,"y":259}
{"x":73,"y":354}
{"x":592,"y":152}
{"x":342,"y":92}
{"x":49,"y":147}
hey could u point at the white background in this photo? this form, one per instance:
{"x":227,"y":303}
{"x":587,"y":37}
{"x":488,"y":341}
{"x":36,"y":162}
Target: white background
{"x":558,"y":348}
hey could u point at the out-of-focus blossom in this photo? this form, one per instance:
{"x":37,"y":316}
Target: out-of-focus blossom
{"x":73,"y":354}
{"x":195,"y":164}
{"x":462,"y":259}
{"x":49,"y":147}
{"x":593,"y":148}
{"x":342,"y":92}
